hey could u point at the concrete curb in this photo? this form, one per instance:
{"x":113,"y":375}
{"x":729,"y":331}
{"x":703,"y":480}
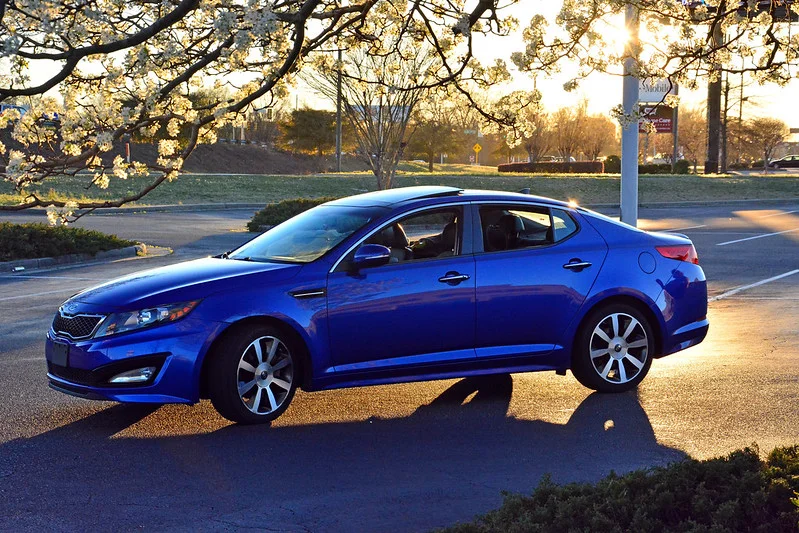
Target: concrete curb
{"x":168,"y":208}
{"x":242,"y":206}
{"x":71,"y":259}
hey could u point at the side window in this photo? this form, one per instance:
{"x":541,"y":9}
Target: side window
{"x":424,"y":235}
{"x":563,"y":224}
{"x":512,"y":228}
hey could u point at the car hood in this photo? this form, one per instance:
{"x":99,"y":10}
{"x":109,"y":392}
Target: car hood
{"x":182,"y":281}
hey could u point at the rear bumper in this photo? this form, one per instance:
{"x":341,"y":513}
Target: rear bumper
{"x":686,"y":336}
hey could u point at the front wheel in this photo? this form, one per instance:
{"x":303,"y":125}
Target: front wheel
{"x":613,"y":349}
{"x":253,"y":375}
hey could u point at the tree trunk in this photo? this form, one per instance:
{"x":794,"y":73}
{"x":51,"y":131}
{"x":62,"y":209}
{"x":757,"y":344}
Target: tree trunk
{"x":430,"y":157}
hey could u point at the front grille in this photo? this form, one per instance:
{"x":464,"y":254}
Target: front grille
{"x":77,"y":326}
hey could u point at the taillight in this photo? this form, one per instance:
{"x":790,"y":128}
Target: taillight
{"x":681,"y":252}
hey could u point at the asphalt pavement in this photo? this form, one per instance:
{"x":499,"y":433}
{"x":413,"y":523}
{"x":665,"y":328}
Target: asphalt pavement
{"x":407,"y":457}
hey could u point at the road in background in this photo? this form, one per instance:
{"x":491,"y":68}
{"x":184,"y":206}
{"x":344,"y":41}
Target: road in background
{"x":399,"y":457}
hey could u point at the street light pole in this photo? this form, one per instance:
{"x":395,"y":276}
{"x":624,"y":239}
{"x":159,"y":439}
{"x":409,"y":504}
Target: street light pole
{"x":629,"y":134}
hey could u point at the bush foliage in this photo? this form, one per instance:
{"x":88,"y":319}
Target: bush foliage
{"x":274,"y":214}
{"x":734,"y":493}
{"x":579,"y":167}
{"x":613,"y":166}
{"x":31,"y":241}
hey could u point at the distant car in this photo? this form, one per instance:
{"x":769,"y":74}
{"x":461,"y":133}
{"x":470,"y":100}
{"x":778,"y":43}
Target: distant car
{"x":789,"y":161}
{"x":408,"y":284}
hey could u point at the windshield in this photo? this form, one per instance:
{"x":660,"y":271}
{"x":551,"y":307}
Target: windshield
{"x":307,"y":236}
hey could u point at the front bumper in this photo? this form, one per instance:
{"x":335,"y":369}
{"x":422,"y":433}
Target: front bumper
{"x":177,"y":350}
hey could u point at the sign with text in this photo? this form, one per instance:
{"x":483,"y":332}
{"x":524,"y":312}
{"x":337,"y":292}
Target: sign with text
{"x":661,"y":116}
{"x":654,"y":90}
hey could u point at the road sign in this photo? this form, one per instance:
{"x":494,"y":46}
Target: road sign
{"x":477,"y":148}
{"x":661,"y":116}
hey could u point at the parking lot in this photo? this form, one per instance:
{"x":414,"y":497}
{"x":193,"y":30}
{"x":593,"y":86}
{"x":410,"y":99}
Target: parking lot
{"x":404,"y":457}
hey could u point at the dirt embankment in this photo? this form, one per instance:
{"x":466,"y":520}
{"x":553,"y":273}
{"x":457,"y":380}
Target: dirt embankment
{"x":223,"y":158}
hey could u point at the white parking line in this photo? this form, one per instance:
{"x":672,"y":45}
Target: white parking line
{"x":757,"y":237}
{"x":752,"y":286}
{"x":781,"y":213}
{"x":31,"y":276}
{"x":37,"y":294}
{"x":688,"y":227}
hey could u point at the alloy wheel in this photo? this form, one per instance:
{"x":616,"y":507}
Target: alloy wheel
{"x":265,"y":375}
{"x":619,"y":348}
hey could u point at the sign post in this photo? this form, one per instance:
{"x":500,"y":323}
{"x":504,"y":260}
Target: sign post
{"x":477,"y":149}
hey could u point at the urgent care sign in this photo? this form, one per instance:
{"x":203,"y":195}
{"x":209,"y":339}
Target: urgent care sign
{"x":661,"y":116}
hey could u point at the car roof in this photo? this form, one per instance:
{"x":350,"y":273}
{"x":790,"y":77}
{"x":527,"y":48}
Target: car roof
{"x":402,"y":195}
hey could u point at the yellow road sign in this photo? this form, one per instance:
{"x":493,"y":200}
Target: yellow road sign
{"x":477,"y":148}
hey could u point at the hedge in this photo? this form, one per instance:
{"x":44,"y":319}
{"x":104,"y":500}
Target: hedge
{"x":681,"y":167}
{"x":611,"y":165}
{"x":274,"y":214}
{"x":578,"y":167}
{"x":35,"y":240}
{"x":723,"y":495}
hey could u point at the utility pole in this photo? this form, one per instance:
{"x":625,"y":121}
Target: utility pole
{"x":629,"y":134}
{"x":338,"y":115}
{"x":714,"y":107}
{"x":675,"y":149}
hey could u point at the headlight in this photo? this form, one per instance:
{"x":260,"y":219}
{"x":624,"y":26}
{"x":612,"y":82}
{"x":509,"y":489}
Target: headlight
{"x":144,"y":318}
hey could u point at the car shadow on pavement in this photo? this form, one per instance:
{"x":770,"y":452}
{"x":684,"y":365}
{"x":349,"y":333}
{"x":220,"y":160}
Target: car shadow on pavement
{"x":446,"y":462}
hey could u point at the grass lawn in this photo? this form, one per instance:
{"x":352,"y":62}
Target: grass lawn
{"x":584,"y":188}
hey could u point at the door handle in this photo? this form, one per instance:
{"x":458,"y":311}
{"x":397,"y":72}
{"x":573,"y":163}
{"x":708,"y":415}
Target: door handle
{"x":453,"y":278}
{"x":577,"y":264}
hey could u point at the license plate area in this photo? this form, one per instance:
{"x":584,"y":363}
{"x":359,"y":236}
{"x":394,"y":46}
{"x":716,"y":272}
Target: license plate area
{"x":60,"y":355}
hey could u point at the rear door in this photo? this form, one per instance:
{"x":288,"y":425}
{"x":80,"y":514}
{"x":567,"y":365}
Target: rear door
{"x":535,"y":268}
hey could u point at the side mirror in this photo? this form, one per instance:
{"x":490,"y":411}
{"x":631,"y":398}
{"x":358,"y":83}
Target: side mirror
{"x":371,"y":255}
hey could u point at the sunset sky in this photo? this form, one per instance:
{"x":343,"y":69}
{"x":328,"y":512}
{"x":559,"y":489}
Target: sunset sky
{"x":603,"y":91}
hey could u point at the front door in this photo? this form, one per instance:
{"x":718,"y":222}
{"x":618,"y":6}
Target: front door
{"x":418,"y":309}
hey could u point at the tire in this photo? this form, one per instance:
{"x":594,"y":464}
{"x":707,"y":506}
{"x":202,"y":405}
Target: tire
{"x":253,"y":374}
{"x":608,"y":351}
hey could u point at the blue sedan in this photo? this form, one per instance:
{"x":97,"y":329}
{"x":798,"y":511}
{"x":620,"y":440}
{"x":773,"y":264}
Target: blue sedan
{"x":408,"y":284}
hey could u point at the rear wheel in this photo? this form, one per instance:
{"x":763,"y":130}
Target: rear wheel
{"x":253,"y":375}
{"x":613,"y":350}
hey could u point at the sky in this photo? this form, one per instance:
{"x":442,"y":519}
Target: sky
{"x":602,"y":91}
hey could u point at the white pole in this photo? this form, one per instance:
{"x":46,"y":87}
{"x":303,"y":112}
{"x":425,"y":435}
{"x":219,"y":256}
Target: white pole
{"x":629,"y":135}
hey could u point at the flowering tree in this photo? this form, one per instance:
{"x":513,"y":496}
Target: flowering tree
{"x":95,"y":72}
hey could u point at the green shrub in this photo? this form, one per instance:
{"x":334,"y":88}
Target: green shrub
{"x":662,"y":168}
{"x":735,"y":493}
{"x":274,"y":214}
{"x":31,"y":241}
{"x":613,"y":164}
{"x":682,"y":166}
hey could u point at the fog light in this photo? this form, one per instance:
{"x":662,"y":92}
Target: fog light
{"x":140,"y":375}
